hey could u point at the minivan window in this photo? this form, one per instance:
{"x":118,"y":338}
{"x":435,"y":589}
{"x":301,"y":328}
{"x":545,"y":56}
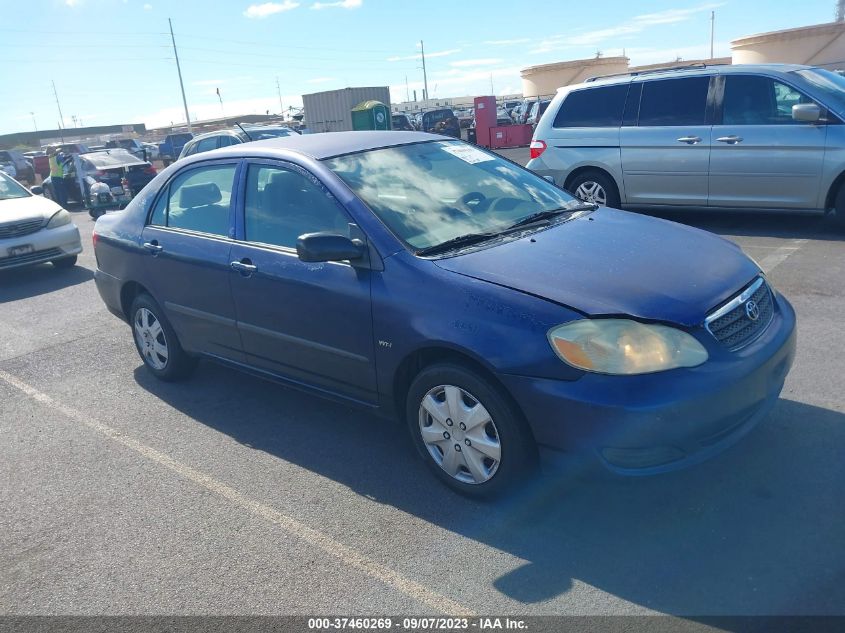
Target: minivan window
{"x":593,"y":107}
{"x":197,"y":200}
{"x":674,"y":102}
{"x":758,"y":100}
{"x":207,"y":144}
{"x":832,"y":85}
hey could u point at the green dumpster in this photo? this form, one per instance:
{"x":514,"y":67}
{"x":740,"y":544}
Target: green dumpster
{"x":371,"y":115}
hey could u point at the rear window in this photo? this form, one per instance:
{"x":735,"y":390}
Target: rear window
{"x":674,"y":102}
{"x":593,"y":107}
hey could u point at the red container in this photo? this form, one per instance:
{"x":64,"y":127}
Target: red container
{"x":510,"y":136}
{"x":485,"y":118}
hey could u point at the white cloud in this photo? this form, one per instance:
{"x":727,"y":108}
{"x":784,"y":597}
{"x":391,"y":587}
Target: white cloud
{"x":342,"y":4}
{"x":320,"y":80}
{"x":487,"y":61}
{"x":521,"y":40}
{"x":269,"y":8}
{"x":451,"y":51}
{"x":72,"y":3}
{"x":148,"y":6}
{"x":208,"y":82}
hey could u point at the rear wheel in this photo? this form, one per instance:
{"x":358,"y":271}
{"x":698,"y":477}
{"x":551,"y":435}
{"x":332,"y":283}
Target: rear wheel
{"x":595,"y":186}
{"x":471,"y":437}
{"x":156,"y":341}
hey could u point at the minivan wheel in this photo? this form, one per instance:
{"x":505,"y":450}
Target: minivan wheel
{"x":595,"y":186}
{"x":471,"y":437}
{"x":156,"y":341}
{"x":839,"y":208}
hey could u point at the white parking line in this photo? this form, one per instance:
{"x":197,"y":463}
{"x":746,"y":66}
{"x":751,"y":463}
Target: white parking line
{"x":780,"y":254}
{"x":296,"y":528}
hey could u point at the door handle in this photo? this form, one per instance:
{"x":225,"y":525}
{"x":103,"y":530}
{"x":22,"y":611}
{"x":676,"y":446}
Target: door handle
{"x":690,"y":140}
{"x":244,"y":266}
{"x":153,"y":247}
{"x":730,"y":140}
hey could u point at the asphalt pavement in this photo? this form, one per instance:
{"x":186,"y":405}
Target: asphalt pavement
{"x":229,"y":495}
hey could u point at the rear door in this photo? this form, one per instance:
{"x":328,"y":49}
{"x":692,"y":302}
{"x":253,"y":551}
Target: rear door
{"x":666,"y":155}
{"x":187,"y":260}
{"x":761,"y":157}
{"x":311,"y":323}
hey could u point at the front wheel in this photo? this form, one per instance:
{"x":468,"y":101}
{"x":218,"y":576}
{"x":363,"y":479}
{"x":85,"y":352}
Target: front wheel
{"x":595,"y":186}
{"x":839,"y":208}
{"x":471,"y":437}
{"x":156,"y":341}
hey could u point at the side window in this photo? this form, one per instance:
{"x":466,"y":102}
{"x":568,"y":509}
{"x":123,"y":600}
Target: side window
{"x":593,"y":107}
{"x":674,"y":102}
{"x":207,"y":144}
{"x":282,"y":204}
{"x":755,"y":100}
{"x":227,"y":140}
{"x":197,"y":200}
{"x":192,"y":149}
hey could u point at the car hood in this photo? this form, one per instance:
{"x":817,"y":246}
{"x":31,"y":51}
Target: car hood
{"x":616,"y":263}
{"x":27,"y":208}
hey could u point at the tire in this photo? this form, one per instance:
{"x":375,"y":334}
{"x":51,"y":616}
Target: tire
{"x":65,"y":262}
{"x":839,"y":209}
{"x":591,"y":179}
{"x":505,"y":435}
{"x":175,"y":364}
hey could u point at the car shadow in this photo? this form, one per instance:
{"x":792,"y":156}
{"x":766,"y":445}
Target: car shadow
{"x":758,"y":224}
{"x":30,"y":281}
{"x":756,"y":530}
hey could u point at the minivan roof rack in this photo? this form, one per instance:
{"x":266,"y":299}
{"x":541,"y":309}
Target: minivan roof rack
{"x":635,"y":73}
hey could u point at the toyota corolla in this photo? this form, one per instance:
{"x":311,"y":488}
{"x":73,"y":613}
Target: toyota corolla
{"x":435,"y":282}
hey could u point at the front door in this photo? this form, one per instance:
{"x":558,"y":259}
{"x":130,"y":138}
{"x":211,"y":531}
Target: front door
{"x":761,"y":157}
{"x":187,"y":248}
{"x":310,"y":323}
{"x":665,"y":156}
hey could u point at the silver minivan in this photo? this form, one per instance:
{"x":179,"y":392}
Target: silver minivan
{"x":743,"y":137}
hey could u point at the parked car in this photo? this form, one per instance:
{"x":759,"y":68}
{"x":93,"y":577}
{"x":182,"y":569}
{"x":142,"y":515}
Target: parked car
{"x":131,"y":145}
{"x":520,"y":113}
{"x":34,"y":230}
{"x":23,"y":169}
{"x":152,"y":151}
{"x":401,"y":122}
{"x":235,"y":136}
{"x":465,"y":117}
{"x":768,"y":137}
{"x":440,"y":121}
{"x":536,"y":112}
{"x":417,"y":120}
{"x":451,"y":302}
{"x":170,"y":149}
{"x":39,"y":161}
{"x":110,"y":179}
{"x":70,"y":148}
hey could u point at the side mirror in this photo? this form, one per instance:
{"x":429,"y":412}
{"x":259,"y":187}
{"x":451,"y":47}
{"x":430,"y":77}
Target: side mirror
{"x":806,"y":113}
{"x":328,"y":247}
{"x":37,"y":190}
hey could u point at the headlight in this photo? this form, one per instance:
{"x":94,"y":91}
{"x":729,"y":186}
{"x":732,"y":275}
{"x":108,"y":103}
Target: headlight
{"x":621,"y":346}
{"x":60,"y":218}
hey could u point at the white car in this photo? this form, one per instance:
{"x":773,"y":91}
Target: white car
{"x":33,"y":229}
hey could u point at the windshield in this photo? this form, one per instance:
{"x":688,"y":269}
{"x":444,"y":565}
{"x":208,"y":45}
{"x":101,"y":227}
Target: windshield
{"x":831,"y":85}
{"x":430,"y":193}
{"x":261,"y":133}
{"x":9,"y":189}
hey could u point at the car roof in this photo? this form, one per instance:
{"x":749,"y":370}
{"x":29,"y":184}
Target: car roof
{"x":661,"y":73}
{"x":329,"y":144}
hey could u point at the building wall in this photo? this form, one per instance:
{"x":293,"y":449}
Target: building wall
{"x":545,"y":79}
{"x":819,"y":45}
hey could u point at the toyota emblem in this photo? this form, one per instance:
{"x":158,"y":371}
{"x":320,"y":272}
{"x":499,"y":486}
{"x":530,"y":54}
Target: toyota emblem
{"x":752,"y":310}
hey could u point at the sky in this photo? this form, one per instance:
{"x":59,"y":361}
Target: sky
{"x":112,"y":60}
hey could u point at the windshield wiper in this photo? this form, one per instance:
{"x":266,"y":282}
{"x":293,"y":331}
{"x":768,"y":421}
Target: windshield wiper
{"x":546,"y":215}
{"x":455,"y":242}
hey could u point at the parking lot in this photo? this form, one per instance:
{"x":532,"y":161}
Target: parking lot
{"x":228,"y":495}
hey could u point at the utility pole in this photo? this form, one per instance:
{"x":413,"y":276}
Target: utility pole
{"x":712,"y":31}
{"x":58,"y":105}
{"x":279,"y":90}
{"x":407,"y":92}
{"x":34,"y":124}
{"x":179,"y":70}
{"x":425,"y":76}
{"x":840,"y":10}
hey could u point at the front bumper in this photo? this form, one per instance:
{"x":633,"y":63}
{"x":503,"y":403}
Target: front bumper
{"x":47,"y":245}
{"x":659,"y":422}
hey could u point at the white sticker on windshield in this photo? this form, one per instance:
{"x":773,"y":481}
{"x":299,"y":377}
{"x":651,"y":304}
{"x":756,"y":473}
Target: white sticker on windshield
{"x":467,"y":153}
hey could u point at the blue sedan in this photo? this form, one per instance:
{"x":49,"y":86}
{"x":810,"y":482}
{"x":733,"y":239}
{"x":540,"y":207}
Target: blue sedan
{"x":437,"y":283}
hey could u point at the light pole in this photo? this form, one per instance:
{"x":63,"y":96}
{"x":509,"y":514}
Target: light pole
{"x":34,"y":124}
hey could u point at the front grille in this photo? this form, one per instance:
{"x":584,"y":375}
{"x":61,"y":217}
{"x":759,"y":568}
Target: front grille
{"x":37,"y":256}
{"x":733,"y":326}
{"x":16,"y":229}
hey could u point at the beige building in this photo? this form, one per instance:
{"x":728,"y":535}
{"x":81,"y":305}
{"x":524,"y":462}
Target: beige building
{"x":545,"y":79}
{"x":819,"y":45}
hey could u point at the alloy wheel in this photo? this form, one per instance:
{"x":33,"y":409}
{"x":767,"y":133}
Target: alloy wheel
{"x":459,"y":434}
{"x":150,"y":338}
{"x":591,"y":191}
